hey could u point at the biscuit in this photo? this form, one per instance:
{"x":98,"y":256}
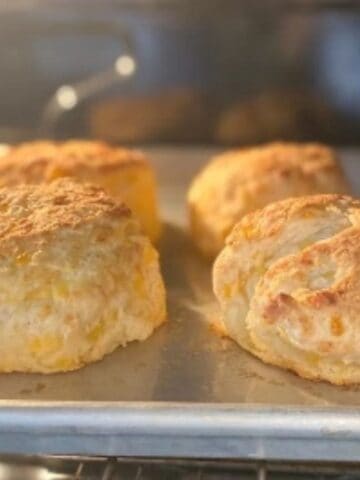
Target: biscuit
{"x":296,"y":115}
{"x":175,"y":115}
{"x":240,"y":181}
{"x":288,"y":283}
{"x":78,"y":278}
{"x":124,"y":174}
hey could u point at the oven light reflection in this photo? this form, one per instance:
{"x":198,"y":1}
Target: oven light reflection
{"x":67,"y":97}
{"x":125,"y":65}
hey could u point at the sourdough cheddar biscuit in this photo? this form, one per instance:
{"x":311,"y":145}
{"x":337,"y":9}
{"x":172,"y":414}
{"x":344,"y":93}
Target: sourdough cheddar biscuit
{"x":288,"y":283}
{"x":78,"y":278}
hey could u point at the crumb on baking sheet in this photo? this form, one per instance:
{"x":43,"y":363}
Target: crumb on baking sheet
{"x":217,"y":326}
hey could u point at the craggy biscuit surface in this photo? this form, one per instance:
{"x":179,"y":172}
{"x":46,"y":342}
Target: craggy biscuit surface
{"x":78,"y":278}
{"x":288,"y":282}
{"x":124,"y":174}
{"x":241,"y":181}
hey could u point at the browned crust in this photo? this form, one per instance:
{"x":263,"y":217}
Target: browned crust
{"x":268,"y":221}
{"x":34,"y":210}
{"x":282,"y":157}
{"x":38,"y":161}
{"x":344,"y":248}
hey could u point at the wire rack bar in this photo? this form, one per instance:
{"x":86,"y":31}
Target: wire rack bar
{"x":112,"y":468}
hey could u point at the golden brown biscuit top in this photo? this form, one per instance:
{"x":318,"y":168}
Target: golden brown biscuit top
{"x":308,"y":158}
{"x":32,"y":210}
{"x":266,"y":222}
{"x":319,"y":264}
{"x":34,"y":162}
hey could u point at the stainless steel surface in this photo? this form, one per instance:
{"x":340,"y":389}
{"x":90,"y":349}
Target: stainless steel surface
{"x":186,"y":391}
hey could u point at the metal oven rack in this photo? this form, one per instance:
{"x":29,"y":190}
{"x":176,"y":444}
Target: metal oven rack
{"x":120,"y":468}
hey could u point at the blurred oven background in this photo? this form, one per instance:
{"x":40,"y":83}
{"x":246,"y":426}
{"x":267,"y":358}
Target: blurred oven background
{"x":165,"y":71}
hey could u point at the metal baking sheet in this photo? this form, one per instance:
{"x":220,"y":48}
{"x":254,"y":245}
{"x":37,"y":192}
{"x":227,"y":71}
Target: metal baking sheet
{"x":186,"y":391}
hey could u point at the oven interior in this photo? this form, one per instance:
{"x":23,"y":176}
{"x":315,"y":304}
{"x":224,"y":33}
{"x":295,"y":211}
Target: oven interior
{"x":179,"y":73}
